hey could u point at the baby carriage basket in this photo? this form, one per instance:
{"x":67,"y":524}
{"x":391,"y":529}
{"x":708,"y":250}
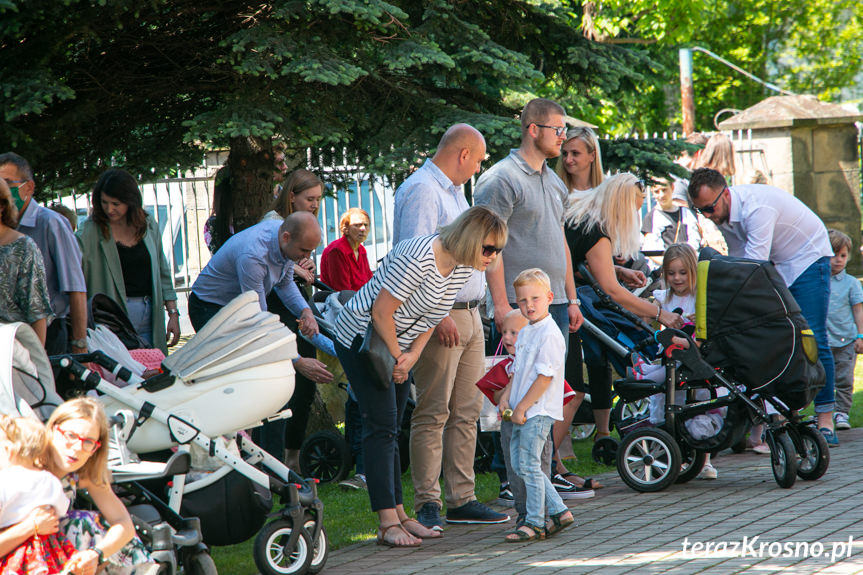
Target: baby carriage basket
{"x":234,"y":374}
{"x":758,"y":350}
{"x":27,"y":389}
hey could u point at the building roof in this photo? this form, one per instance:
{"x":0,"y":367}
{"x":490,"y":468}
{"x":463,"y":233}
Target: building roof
{"x":790,"y":111}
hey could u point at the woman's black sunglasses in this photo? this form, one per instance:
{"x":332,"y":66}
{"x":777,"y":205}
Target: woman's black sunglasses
{"x":489,"y":251}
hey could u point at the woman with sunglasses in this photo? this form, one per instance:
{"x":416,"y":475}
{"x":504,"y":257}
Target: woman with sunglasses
{"x":78,"y":432}
{"x":408,"y":295}
{"x":600,"y":224}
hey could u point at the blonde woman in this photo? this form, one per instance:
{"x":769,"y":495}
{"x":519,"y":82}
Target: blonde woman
{"x":718,"y":154}
{"x":580,"y":164}
{"x":601,"y":224}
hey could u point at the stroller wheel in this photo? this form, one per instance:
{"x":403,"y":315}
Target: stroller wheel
{"x":783,"y":458}
{"x":321,"y":546}
{"x":326,"y":456}
{"x":197,"y":562}
{"x":271,"y":555}
{"x":813,"y":453}
{"x":605,"y":450}
{"x":582,"y":430}
{"x":692,"y":461}
{"x":648,"y":459}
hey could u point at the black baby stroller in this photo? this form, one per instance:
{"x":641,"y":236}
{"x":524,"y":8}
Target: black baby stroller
{"x":759,"y":351}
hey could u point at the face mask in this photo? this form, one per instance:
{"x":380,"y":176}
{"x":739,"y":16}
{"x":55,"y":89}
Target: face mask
{"x":19,"y":203}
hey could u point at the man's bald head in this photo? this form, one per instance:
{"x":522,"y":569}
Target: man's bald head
{"x":299,"y":235}
{"x":460,"y":152}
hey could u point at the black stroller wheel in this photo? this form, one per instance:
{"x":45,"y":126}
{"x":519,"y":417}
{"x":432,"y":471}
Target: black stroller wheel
{"x":625,"y":413}
{"x":605,"y":450}
{"x":271,"y":555}
{"x":197,"y":562}
{"x":325,"y":455}
{"x":783,"y":458}
{"x":692,"y":462}
{"x":813,"y":453}
{"x":321,"y":548}
{"x":582,"y":430}
{"x":648,"y":460}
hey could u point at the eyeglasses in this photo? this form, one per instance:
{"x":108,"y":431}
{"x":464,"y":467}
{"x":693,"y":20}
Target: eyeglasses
{"x":13,"y":182}
{"x":558,"y":130}
{"x":87,"y":444}
{"x":489,"y":251}
{"x":712,"y":207}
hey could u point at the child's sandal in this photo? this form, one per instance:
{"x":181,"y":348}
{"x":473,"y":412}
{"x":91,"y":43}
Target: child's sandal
{"x":526,"y":532}
{"x":558,"y":523}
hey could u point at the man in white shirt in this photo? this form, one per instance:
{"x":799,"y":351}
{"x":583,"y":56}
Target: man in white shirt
{"x":765,"y":223}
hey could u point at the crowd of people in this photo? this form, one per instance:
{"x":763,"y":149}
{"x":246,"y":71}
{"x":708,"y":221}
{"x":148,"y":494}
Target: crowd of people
{"x":516,"y":253}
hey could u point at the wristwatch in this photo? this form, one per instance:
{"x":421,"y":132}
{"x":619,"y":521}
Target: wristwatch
{"x":78,"y":343}
{"x":575,"y":301}
{"x":100,"y":553}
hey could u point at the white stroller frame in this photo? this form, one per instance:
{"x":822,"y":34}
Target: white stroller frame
{"x":195,"y":402}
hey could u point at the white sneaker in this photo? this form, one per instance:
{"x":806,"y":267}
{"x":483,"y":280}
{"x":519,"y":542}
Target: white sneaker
{"x":708,"y":472}
{"x":841,"y":421}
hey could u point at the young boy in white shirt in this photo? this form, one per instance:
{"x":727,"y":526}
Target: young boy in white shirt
{"x":535,"y":398}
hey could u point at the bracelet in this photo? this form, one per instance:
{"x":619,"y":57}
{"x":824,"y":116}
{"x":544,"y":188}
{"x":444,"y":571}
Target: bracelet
{"x":100,"y":553}
{"x":174,"y":311}
{"x":658,"y":312}
{"x":859,"y":336}
{"x":35,"y":527}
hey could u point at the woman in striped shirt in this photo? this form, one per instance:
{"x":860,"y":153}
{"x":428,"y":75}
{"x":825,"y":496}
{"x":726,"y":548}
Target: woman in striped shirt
{"x":409,"y":294}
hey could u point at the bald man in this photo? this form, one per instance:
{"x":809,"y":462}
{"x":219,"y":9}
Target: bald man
{"x":443,"y":427}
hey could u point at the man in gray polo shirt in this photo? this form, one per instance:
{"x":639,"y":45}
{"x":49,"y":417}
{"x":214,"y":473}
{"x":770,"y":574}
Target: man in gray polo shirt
{"x":67,"y":332}
{"x":443,"y":427}
{"x":531,"y":198}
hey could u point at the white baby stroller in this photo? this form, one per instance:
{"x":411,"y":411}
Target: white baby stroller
{"x":234,"y":374}
{"x":27,"y":389}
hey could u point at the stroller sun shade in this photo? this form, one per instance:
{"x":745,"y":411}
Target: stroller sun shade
{"x":239,"y":337}
{"x":26,"y":379}
{"x":754,"y":329}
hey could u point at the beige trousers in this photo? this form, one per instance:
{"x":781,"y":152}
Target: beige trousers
{"x":443,"y":426}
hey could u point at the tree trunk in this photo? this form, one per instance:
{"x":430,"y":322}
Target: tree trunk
{"x":251,"y":163}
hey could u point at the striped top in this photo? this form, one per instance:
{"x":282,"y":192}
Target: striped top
{"x":410,"y":274}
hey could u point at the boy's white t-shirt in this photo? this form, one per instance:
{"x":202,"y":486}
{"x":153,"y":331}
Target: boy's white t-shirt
{"x":539,"y":350}
{"x":22,"y":490}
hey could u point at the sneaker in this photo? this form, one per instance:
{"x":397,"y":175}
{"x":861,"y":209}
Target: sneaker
{"x":708,"y":472}
{"x":429,"y":516}
{"x":355,"y":483}
{"x":841,"y":421}
{"x":568,"y":490}
{"x":830,"y":436}
{"x":505,"y":492}
{"x":475,"y":512}
{"x":760,"y":448}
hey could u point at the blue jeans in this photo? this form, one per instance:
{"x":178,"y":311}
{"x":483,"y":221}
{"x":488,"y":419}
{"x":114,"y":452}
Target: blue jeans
{"x":382,"y":411}
{"x":141,"y":315}
{"x":811,"y":290}
{"x":525,"y":447}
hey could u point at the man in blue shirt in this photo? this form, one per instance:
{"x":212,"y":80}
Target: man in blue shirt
{"x":443,"y":426}
{"x":67,"y":332}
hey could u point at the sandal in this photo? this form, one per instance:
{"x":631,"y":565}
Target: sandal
{"x":526,"y":532}
{"x":410,"y":521}
{"x":579,"y":481}
{"x":559,"y":523}
{"x":600,"y":435}
{"x":382,"y":536}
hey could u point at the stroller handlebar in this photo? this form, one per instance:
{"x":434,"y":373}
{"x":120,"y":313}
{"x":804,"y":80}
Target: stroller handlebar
{"x":608,"y":303}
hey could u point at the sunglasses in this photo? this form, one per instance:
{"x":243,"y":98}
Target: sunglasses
{"x":489,"y":251}
{"x":87,"y":444}
{"x":709,"y":209}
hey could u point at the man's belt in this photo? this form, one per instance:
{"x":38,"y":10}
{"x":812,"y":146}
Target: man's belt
{"x":473,"y":304}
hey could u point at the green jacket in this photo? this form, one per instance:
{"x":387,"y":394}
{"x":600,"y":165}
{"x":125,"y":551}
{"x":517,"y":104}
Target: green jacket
{"x":103,"y":273}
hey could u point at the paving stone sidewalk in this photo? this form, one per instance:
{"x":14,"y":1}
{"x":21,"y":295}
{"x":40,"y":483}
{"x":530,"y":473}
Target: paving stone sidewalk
{"x":621,"y":531}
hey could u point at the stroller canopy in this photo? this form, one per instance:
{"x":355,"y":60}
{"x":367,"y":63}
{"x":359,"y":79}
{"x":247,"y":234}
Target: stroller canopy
{"x":237,"y":338}
{"x":754,"y":329}
{"x":26,"y":380}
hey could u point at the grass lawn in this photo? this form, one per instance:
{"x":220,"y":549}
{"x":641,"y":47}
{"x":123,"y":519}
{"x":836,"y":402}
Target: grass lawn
{"x":348,"y":520}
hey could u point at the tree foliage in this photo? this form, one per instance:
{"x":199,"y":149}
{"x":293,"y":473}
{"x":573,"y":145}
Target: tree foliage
{"x":148,"y":84}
